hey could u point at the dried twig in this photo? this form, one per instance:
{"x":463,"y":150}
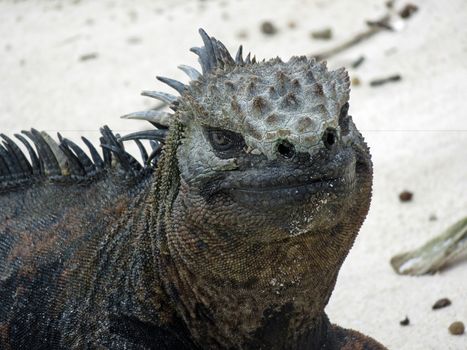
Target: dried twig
{"x":358,"y":62}
{"x":382,"y":81}
{"x":435,"y":254}
{"x":374,"y":27}
{"x":358,"y":38}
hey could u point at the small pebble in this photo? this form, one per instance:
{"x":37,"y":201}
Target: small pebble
{"x":405,"y":321}
{"x":358,"y":62}
{"x":323,"y":34}
{"x":356,"y":81}
{"x":390,"y":51}
{"x":432,"y":217}
{"x":408,"y":11}
{"x":268,"y":28}
{"x":133,"y":15}
{"x":457,"y":328}
{"x":243,"y":34}
{"x":441,"y":303}
{"x":134,"y":40}
{"x":88,"y":56}
{"x":405,"y":196}
{"x":292,"y":24}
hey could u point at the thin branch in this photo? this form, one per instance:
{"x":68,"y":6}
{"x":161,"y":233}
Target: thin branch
{"x":358,"y":38}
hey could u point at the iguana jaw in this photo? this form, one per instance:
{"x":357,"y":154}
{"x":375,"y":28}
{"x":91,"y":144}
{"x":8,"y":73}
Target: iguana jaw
{"x":289,"y":187}
{"x":279,"y":186}
{"x":271,"y":200}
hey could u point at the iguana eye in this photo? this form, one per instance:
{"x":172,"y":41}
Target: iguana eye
{"x":220,"y":140}
{"x":225,"y":140}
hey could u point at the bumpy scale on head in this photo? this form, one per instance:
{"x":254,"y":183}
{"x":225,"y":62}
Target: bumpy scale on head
{"x":269,"y":102}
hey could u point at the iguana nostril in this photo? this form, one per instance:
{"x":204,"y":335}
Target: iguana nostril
{"x":329,"y":137}
{"x":286,"y":149}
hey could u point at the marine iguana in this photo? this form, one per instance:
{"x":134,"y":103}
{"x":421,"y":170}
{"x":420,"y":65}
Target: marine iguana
{"x":230,"y":235}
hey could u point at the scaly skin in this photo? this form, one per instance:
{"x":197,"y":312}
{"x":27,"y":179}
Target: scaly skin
{"x":233,"y":242}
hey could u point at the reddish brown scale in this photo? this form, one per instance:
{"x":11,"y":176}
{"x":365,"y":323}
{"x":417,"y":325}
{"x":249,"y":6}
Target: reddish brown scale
{"x":230,"y":85}
{"x":290,"y":100}
{"x":260,"y":104}
{"x":282,"y":80}
{"x":272,"y":119}
{"x":272,"y":92}
{"x":251,"y":88}
{"x":310,"y":78}
{"x":318,"y":89}
{"x":253,"y":130}
{"x":296,"y":84}
{"x":4,"y":335}
{"x":235,"y":105}
{"x":304,"y":124}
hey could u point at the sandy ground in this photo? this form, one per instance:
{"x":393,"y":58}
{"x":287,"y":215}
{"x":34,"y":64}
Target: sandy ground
{"x":416,"y":128}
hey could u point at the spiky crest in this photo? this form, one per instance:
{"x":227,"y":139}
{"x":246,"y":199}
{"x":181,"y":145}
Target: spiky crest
{"x":65,"y":162}
{"x":212,"y":56}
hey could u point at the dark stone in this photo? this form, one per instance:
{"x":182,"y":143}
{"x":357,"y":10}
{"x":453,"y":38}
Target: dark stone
{"x":441,"y":303}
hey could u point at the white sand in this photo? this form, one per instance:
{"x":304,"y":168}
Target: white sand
{"x":416,"y":128}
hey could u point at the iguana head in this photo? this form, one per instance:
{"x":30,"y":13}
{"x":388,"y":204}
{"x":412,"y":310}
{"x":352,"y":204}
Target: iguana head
{"x":268,"y":139}
{"x":267,"y":145}
{"x":272,"y":178}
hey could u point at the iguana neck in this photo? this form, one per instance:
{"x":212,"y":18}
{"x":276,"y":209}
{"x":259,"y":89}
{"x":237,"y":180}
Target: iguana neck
{"x":232,"y":283}
{"x":234,"y":292}
{"x":270,"y":300}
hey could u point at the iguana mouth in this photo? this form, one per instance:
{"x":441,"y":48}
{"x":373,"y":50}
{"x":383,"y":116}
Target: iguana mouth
{"x":295,"y":188}
{"x":291,"y":188}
